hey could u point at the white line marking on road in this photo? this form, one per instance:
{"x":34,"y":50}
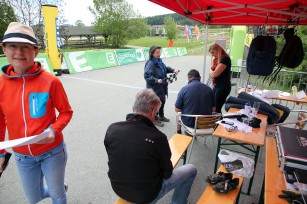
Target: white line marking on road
{"x":113,"y":84}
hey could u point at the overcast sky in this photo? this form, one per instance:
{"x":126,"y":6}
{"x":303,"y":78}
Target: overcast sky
{"x":78,"y":10}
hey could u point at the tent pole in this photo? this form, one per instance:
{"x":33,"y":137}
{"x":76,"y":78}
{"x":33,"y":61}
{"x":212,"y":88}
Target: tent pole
{"x":205,"y":56}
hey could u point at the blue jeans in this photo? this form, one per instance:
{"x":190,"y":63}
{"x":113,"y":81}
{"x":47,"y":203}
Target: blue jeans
{"x":181,"y":180}
{"x":50,"y":165}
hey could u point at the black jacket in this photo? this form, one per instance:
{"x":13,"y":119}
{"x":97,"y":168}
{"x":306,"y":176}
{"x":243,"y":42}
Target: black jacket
{"x":139,"y":158}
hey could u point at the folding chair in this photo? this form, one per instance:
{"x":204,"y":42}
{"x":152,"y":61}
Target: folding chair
{"x":204,"y":126}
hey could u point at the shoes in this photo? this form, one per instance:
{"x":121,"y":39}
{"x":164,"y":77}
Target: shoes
{"x":226,"y":186}
{"x":65,"y":187}
{"x":158,"y":123}
{"x":164,"y":119}
{"x":219,"y":177}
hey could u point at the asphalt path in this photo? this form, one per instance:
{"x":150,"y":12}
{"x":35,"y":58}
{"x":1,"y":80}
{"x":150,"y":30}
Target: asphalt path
{"x":98,"y":99}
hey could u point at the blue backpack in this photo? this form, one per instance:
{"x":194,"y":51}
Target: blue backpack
{"x":261,"y":56}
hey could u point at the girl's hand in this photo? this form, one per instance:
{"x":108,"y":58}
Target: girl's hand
{"x":49,"y":139}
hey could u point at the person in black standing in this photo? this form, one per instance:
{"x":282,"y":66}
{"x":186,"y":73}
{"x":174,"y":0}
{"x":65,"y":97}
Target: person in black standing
{"x":220,"y":73}
{"x":155,"y":74}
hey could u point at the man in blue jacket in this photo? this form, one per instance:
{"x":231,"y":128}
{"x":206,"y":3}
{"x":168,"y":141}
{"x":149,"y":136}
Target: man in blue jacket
{"x":155,"y":74}
{"x":196,"y":98}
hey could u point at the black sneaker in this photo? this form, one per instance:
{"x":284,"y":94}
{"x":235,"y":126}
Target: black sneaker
{"x":164,"y":119}
{"x":158,"y":123}
{"x":226,"y":186}
{"x":216,"y":178}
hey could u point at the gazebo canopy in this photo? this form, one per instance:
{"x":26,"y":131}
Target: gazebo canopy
{"x":240,"y":12}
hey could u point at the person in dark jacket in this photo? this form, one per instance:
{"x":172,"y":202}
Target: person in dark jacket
{"x":196,"y":98}
{"x":140,"y":169}
{"x":155,"y":74}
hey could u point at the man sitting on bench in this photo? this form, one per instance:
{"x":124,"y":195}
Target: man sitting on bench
{"x":140,"y":169}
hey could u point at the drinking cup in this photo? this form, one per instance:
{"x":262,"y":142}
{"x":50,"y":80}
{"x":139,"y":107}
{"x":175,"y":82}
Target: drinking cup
{"x":256,"y":107}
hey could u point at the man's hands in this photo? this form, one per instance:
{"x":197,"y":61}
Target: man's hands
{"x":160,"y":81}
{"x":49,"y":139}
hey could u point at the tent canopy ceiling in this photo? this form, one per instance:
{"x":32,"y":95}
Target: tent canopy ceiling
{"x":240,"y":12}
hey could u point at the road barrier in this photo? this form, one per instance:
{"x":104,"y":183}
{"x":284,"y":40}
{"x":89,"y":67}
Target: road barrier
{"x":41,"y":57}
{"x":89,"y":60}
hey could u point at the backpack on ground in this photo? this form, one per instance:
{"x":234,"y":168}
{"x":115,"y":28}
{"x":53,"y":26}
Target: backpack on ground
{"x":261,"y":56}
{"x":292,"y":53}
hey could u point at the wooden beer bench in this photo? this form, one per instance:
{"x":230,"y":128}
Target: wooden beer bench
{"x":209,"y":196}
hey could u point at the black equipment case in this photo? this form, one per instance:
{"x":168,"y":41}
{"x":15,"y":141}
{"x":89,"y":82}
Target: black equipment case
{"x":292,"y":148}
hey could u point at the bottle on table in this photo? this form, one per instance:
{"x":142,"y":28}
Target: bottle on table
{"x":247,"y":108}
{"x":294,"y":90}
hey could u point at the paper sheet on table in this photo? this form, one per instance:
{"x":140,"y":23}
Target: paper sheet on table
{"x":241,"y":126}
{"x":298,"y":95}
{"x":24,"y":141}
{"x":270,"y":94}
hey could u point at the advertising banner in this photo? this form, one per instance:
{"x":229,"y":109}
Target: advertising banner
{"x":41,"y":57}
{"x":89,"y":60}
{"x":181,"y":51}
{"x":146,"y":53}
{"x":3,"y":62}
{"x":52,"y":35}
{"x":237,"y":34}
{"x":45,"y":62}
{"x":129,"y":56}
{"x":170,"y":52}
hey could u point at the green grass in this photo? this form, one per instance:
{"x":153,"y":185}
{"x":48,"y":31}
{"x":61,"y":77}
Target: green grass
{"x":193,"y":47}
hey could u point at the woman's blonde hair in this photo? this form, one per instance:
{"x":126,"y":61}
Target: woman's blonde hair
{"x":220,"y":51}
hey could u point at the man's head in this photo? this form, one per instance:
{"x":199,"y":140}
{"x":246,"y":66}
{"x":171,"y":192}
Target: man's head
{"x":20,"y":46}
{"x":146,"y":103}
{"x":193,"y":74}
{"x":154,"y":51}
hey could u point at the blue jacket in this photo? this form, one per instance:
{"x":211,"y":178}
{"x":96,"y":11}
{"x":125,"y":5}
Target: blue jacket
{"x":152,"y":74}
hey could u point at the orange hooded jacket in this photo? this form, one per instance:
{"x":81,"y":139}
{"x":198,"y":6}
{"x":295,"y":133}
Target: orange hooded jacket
{"x":28,"y":104}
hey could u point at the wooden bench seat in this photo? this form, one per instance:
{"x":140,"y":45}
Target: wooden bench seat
{"x":210,"y":196}
{"x":178,"y":145}
{"x":121,"y":201}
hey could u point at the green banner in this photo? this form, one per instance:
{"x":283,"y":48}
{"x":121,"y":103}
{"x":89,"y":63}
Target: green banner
{"x":45,"y":62}
{"x":3,"y":61}
{"x":89,"y":60}
{"x":129,"y":56}
{"x":41,"y":57}
{"x":146,"y":53}
{"x":170,"y":52}
{"x":181,"y":51}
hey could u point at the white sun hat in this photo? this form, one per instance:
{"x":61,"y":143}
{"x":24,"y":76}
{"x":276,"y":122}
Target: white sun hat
{"x":19,"y":33}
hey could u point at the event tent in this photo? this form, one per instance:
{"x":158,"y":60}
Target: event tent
{"x":240,"y":12}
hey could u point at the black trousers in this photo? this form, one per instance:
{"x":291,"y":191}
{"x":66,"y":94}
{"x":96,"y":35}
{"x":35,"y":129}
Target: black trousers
{"x":161,"y":110}
{"x":220,"y":95}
